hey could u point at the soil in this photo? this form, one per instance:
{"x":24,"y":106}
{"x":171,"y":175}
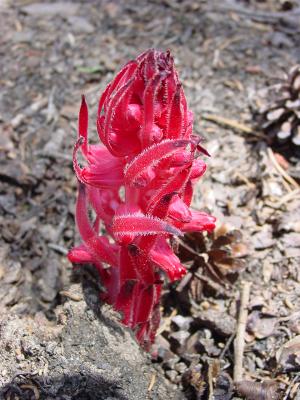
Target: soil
{"x":225,"y":52}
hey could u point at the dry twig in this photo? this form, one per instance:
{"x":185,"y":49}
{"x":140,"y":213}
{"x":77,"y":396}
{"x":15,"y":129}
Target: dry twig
{"x":152,"y":382}
{"x":231,"y":123}
{"x":239,"y":342}
{"x":70,"y":295}
{"x":281,"y":171}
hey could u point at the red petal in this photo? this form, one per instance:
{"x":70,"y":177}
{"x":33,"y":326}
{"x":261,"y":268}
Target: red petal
{"x":77,"y":169}
{"x":198,"y":169}
{"x":83,"y":124}
{"x":104,"y":170}
{"x":125,"y":226}
{"x":127,"y":70}
{"x":188,"y":193}
{"x":163,"y":256}
{"x":175,"y":184}
{"x":98,"y":246}
{"x":175,"y":118}
{"x":179,"y":210}
{"x":142,"y":266}
{"x":161,"y":208}
{"x":123,"y":76}
{"x":80,"y":255}
{"x":149,"y":102}
{"x":126,"y":302}
{"x":110,"y":114}
{"x":154,"y":321}
{"x":105,"y":203}
{"x":151,"y":157}
{"x":144,"y":305}
{"x":200,"y":222}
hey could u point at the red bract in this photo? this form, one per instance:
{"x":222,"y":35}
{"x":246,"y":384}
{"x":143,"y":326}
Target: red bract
{"x":139,"y":183}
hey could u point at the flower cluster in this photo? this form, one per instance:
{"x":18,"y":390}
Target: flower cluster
{"x":139,"y":184}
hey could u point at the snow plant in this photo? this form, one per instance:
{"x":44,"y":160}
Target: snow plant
{"x":139,"y":183}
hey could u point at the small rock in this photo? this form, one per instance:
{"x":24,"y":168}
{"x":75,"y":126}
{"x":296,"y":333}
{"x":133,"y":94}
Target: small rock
{"x":48,"y":232}
{"x":263,"y":239}
{"x":11,"y":296}
{"x":288,"y":356}
{"x":191,"y":343}
{"x":49,"y":9}
{"x":178,"y":339}
{"x":170,"y":364}
{"x":224,"y":387}
{"x":7,"y":201}
{"x":6,"y":144}
{"x":222,"y":323}
{"x":13,"y":272}
{"x":30,"y":347}
{"x":23,"y":37}
{"x":280,"y":40}
{"x":180,"y":367}
{"x":55,"y":143}
{"x":172,"y":375}
{"x":81,"y":25}
{"x":182,"y":323}
{"x":208,"y":346}
{"x":161,"y":349}
{"x":50,"y":348}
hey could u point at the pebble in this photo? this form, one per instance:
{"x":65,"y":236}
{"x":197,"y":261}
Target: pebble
{"x":180,"y":367}
{"x":13,"y":273}
{"x":182,"y":323}
{"x":81,"y":25}
{"x":219,"y":322}
{"x":179,"y":338}
{"x":48,"y":9}
{"x":172,"y":375}
{"x":170,"y":364}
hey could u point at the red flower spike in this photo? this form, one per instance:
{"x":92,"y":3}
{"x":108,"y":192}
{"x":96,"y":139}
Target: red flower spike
{"x":139,"y":183}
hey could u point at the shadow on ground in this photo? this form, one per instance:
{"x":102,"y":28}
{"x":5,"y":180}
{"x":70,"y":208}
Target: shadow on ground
{"x":66,"y":387}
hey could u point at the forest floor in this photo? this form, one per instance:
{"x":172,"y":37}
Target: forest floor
{"x":226,"y":53}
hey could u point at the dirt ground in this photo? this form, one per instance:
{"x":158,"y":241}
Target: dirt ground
{"x":226,"y":52}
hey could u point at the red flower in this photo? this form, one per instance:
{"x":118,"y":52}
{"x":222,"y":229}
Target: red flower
{"x":139,"y":183}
